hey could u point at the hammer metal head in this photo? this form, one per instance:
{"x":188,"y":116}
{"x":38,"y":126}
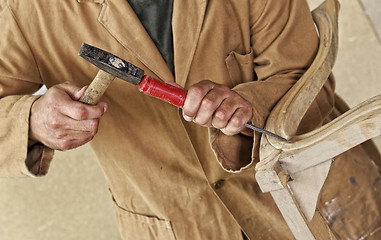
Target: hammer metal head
{"x":112,"y":64}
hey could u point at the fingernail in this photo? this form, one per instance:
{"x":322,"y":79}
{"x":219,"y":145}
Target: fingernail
{"x":82,"y":89}
{"x":80,"y":93}
{"x":105,"y":108}
{"x":187,"y":118}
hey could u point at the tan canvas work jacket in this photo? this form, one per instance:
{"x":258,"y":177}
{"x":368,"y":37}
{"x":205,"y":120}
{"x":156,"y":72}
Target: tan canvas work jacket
{"x":166,"y":176}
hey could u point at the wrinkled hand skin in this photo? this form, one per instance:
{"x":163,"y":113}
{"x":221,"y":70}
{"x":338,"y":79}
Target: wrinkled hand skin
{"x":213,"y":105}
{"x":60,"y":122}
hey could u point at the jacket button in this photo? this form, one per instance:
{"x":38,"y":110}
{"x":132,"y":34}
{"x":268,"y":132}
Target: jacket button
{"x":219,"y":184}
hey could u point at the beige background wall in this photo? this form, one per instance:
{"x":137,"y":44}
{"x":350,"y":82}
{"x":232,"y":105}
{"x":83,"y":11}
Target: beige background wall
{"x":73,"y":203}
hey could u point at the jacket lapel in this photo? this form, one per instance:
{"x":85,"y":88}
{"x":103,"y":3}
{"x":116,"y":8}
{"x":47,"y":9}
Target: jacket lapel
{"x":121,"y":21}
{"x":187,"y":20}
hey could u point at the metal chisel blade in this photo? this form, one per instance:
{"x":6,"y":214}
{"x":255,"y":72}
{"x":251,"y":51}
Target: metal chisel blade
{"x":261,"y":130}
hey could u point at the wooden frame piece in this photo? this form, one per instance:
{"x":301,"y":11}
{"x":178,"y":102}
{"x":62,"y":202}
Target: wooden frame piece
{"x":280,"y":161}
{"x":286,"y":116}
{"x":271,"y":173}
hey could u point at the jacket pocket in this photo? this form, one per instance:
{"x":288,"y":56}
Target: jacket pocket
{"x":240,"y":67}
{"x":139,"y":226}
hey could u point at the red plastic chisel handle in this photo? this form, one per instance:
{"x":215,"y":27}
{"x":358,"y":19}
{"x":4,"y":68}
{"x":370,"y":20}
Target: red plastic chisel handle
{"x":158,"y":89}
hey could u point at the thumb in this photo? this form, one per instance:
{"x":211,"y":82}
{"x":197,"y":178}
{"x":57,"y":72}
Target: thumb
{"x":72,"y":90}
{"x":80,"y":93}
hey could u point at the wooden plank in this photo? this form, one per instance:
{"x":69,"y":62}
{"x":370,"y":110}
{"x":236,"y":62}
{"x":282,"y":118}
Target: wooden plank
{"x":291,"y":214}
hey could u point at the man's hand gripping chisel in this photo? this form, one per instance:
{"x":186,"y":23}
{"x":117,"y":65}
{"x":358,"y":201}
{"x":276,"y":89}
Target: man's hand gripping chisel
{"x":112,"y":66}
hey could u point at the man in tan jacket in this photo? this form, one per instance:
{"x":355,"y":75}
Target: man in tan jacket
{"x":172,"y":174}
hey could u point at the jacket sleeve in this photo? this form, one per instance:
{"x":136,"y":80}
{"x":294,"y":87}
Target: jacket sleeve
{"x":284,"y":41}
{"x":19,"y":79}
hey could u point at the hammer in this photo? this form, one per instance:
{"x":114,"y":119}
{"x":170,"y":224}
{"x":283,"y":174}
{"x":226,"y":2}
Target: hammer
{"x":112,"y":66}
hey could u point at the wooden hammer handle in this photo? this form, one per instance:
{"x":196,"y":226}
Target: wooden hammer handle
{"x":97,"y":88}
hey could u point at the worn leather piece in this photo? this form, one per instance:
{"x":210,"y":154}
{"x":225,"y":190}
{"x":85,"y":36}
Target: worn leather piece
{"x":353,"y":209}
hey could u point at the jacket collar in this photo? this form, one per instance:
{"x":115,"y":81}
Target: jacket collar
{"x":120,"y":20}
